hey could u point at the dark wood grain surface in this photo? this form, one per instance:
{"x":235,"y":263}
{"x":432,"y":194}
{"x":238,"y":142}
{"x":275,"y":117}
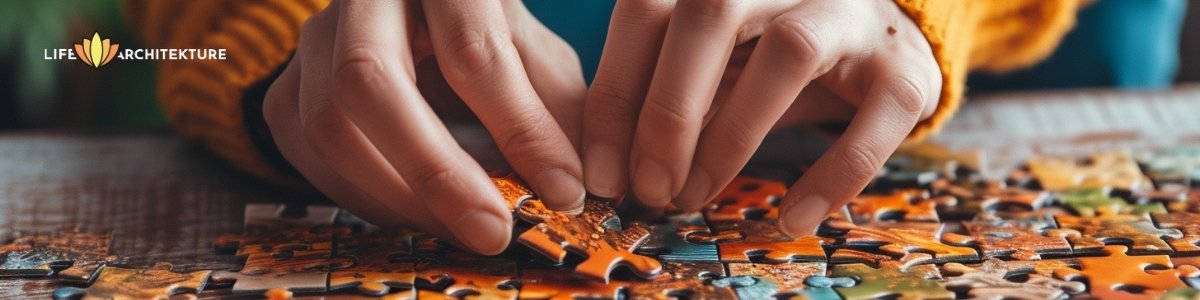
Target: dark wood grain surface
{"x":167,"y":200}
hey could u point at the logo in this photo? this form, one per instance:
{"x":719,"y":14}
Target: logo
{"x":96,"y":52}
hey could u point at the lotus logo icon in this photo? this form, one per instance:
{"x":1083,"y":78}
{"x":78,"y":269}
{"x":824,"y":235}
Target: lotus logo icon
{"x":96,"y":52}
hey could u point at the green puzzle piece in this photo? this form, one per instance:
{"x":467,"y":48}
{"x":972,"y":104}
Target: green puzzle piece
{"x":888,"y":281}
{"x":1089,"y":202}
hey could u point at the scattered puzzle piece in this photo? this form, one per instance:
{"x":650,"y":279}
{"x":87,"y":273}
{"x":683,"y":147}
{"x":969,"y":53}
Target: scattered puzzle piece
{"x":462,"y":275}
{"x":904,"y":240}
{"x":911,"y":205}
{"x":682,"y":280}
{"x":1115,"y":168}
{"x":997,"y":237}
{"x":788,"y":279}
{"x":747,"y":198}
{"x":157,"y":282}
{"x":1118,"y":276}
{"x":1138,"y":230}
{"x":669,"y":240}
{"x":1092,"y":202}
{"x":764,"y":239}
{"x":556,"y":233}
{"x":890,"y":281}
{"x":990,"y":281}
{"x":376,"y":270}
{"x":1188,"y":224}
{"x":75,"y":255}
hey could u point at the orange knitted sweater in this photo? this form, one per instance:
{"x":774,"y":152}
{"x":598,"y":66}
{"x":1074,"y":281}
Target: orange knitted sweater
{"x":219,"y":102}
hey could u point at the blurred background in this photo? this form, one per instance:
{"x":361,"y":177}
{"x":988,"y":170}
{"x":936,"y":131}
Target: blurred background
{"x":1126,"y":44}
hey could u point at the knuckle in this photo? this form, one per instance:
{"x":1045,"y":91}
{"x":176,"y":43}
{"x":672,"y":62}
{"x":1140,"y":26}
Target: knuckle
{"x":668,"y":111}
{"x":644,"y":7}
{"x":614,"y":97}
{"x":860,"y":163}
{"x":431,"y":175}
{"x":741,"y":135}
{"x":713,"y":9}
{"x":909,"y":96}
{"x":800,"y":35}
{"x":358,"y":69}
{"x":470,"y":53}
{"x":526,"y":136}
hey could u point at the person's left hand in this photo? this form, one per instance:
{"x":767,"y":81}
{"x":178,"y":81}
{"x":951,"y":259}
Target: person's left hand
{"x":673,"y":118}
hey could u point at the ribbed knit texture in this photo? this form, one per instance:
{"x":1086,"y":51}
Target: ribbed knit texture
{"x":990,"y":35}
{"x":202,"y":99}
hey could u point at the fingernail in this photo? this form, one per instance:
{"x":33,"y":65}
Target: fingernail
{"x":560,"y":190}
{"x":803,"y":218}
{"x":484,"y":232}
{"x":652,"y":183}
{"x":696,"y":191}
{"x":601,"y":172}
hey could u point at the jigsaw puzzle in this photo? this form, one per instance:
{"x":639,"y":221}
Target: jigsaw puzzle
{"x":1107,"y":226}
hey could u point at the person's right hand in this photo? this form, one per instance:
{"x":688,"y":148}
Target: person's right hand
{"x":346,"y":112}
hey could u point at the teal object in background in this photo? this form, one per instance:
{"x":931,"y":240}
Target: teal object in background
{"x":1121,"y":43}
{"x":1131,"y":44}
{"x":582,"y":23}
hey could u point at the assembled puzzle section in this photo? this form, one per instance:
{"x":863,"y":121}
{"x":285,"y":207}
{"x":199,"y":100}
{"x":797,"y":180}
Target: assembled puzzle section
{"x":1107,"y":226}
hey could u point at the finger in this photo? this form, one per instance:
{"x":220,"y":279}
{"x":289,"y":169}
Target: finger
{"x":376,"y":93}
{"x":337,"y":143}
{"x":553,"y":68}
{"x":894,"y":101}
{"x":792,"y":51}
{"x":477,"y":56}
{"x":626,"y":65}
{"x":697,"y":47}
{"x":281,"y":110}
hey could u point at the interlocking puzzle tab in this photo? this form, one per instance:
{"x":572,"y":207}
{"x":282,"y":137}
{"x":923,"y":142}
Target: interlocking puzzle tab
{"x":73,"y":254}
{"x":556,"y":233}
{"x":1099,"y":231}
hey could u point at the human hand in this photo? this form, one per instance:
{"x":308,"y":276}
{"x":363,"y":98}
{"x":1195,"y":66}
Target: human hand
{"x":671,"y":117}
{"x":347,"y":113}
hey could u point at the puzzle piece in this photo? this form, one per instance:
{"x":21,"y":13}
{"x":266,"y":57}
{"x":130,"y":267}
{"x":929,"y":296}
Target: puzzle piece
{"x":904,"y":240}
{"x":990,"y":281}
{"x":682,"y":280}
{"x":284,"y":247}
{"x":902,"y":205}
{"x":269,"y":215}
{"x":1092,"y":202}
{"x":1118,"y":276}
{"x":764,"y":239}
{"x":890,"y":281}
{"x":1181,"y":166}
{"x":747,"y":198}
{"x":1137,"y":230}
{"x":669,"y":240}
{"x":787,"y":279}
{"x":512,"y":190}
{"x":1115,"y":168}
{"x":463,"y":275}
{"x":1188,"y":224}
{"x":855,"y":256}
{"x":157,"y":282}
{"x":822,"y":288}
{"x":75,"y":255}
{"x":1023,"y":240}
{"x":587,"y":234}
{"x":376,"y":269}
{"x":551,"y":284}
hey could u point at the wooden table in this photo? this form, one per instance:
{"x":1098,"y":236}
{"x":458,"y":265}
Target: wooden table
{"x":166,"y":200}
